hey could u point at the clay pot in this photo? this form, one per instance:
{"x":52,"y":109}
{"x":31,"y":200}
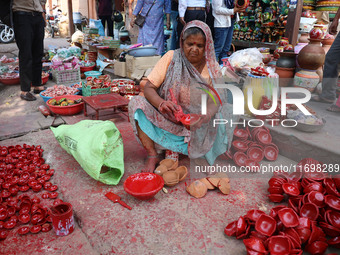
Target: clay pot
{"x":285,"y":75}
{"x":326,"y":44}
{"x":283,"y":41}
{"x":306,"y":79}
{"x":312,"y":56}
{"x":303,"y":38}
{"x":316,"y":32}
{"x":242,"y":3}
{"x":276,"y":54}
{"x":169,"y":163}
{"x":266,"y":58}
{"x":286,"y":60}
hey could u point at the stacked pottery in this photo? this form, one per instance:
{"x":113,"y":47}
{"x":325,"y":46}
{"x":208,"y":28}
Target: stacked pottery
{"x":310,"y":58}
{"x":285,"y":65}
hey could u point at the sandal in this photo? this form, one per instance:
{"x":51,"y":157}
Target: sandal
{"x":333,"y":108}
{"x":28,"y":97}
{"x":321,"y":99}
{"x":37,"y":91}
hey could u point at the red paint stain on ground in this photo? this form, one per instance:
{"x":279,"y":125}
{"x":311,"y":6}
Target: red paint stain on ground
{"x":133,"y":240}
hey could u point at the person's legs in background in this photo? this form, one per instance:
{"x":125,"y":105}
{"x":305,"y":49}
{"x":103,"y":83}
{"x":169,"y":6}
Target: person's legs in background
{"x":331,"y":71}
{"x":219,"y":41}
{"x":229,"y":38}
{"x":37,"y":52}
{"x":109,"y":22}
{"x":23,"y":29}
{"x":210,"y":21}
{"x":174,"y":35}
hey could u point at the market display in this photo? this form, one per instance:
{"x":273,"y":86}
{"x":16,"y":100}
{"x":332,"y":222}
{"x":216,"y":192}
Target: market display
{"x":312,"y":214}
{"x":263,"y":21}
{"x":24,"y":175}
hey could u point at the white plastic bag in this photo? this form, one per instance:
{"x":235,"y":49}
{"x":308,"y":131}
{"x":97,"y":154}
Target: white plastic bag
{"x":246,"y":59}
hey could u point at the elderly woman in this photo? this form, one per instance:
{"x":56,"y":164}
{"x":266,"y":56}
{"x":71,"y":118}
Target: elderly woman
{"x":187,"y":72}
{"x":152,"y":31}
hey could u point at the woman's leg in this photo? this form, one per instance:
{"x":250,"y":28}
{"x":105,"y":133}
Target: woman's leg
{"x":149,"y":146}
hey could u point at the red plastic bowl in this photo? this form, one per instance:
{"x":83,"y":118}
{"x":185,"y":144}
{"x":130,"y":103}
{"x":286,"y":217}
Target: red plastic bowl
{"x":143,"y":185}
{"x":10,"y":81}
{"x":44,"y":79}
{"x":66,"y":110}
{"x":84,"y":69}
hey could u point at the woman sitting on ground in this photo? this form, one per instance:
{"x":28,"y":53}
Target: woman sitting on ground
{"x":187,"y":71}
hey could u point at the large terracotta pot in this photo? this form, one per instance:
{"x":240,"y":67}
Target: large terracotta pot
{"x":306,"y":79}
{"x":285,"y":76}
{"x":311,"y":56}
{"x":303,"y":38}
{"x":286,"y":60}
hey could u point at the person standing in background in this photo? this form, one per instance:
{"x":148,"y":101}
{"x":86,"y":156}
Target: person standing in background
{"x":152,"y":32}
{"x":331,"y":71}
{"x":104,"y":10}
{"x":29,"y":29}
{"x":189,"y":10}
{"x":225,"y":14}
{"x":174,"y":18}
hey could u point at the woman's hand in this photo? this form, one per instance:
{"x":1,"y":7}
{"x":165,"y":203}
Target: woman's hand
{"x":237,"y":9}
{"x":168,"y":107}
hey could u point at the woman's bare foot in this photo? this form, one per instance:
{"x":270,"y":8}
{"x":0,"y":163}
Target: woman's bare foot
{"x":334,"y":108}
{"x":150,"y":164}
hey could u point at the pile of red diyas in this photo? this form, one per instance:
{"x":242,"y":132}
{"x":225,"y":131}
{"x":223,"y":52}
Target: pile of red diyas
{"x":249,"y":148}
{"x":22,"y":168}
{"x":312,"y":214}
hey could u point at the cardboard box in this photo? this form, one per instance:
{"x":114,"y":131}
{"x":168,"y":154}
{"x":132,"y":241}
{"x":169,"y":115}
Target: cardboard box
{"x":120,"y":69}
{"x":137,"y":66}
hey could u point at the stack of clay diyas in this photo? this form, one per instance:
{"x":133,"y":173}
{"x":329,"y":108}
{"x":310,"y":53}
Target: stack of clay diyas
{"x":171,"y":172}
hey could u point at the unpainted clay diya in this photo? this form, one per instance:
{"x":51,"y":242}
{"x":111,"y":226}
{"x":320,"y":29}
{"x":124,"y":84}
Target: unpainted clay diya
{"x":171,"y":178}
{"x":197,"y":189}
{"x":169,"y":163}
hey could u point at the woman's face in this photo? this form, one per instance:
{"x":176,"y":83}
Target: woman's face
{"x":194,"y":48}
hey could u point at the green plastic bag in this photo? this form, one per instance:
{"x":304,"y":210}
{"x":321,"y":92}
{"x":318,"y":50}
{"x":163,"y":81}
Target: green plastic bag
{"x":94,"y":144}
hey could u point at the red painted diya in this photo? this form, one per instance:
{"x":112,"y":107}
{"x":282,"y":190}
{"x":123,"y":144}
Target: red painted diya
{"x":265,"y":225}
{"x":255,"y":154}
{"x":240,"y":158}
{"x":276,"y":198}
{"x":264,"y":137}
{"x":241,"y":133}
{"x":333,"y":202}
{"x":239,"y":145}
{"x":290,"y":189}
{"x":309,"y":210}
{"x":279,"y":245}
{"x":270,"y":153}
{"x":288,"y":217}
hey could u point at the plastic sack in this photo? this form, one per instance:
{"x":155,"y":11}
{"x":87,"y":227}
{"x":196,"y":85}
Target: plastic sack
{"x":94,"y":144}
{"x":97,"y":24}
{"x":247,"y":58}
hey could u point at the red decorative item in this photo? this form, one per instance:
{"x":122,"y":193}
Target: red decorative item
{"x":255,"y":153}
{"x":288,"y":217}
{"x":23,"y":230}
{"x":62,"y":219}
{"x":279,"y":245}
{"x":259,"y":71}
{"x":240,"y":158}
{"x":270,"y":153}
{"x":143,"y":185}
{"x":309,"y":210}
{"x":316,"y":32}
{"x":35,"y":229}
{"x":290,"y":189}
{"x":265,"y":225}
{"x":242,"y":3}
